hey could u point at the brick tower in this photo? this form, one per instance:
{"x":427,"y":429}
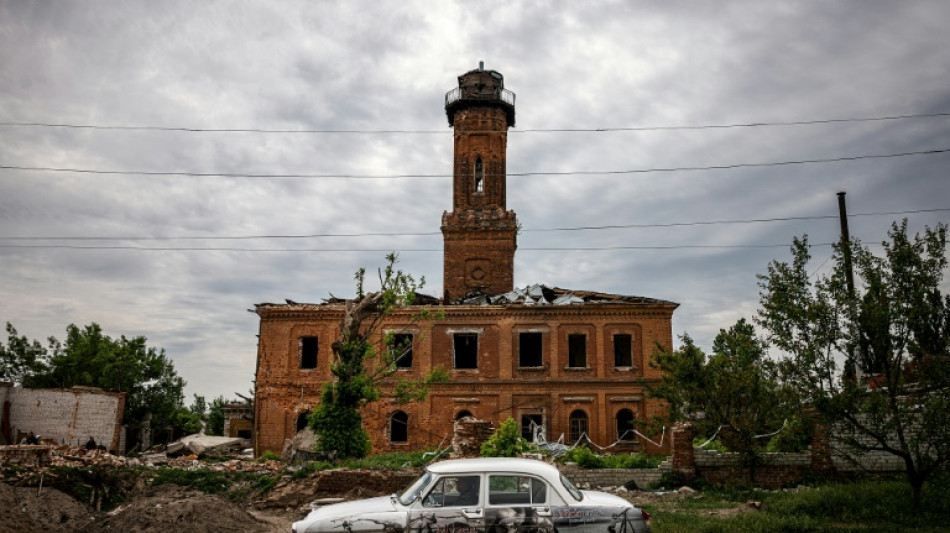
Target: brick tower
{"x":479,"y":234}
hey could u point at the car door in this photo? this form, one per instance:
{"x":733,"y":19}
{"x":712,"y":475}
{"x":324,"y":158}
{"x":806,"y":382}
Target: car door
{"x":518,"y":503}
{"x":452,"y":505}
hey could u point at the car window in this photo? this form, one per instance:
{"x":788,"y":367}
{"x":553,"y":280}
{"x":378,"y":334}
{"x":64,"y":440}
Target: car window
{"x":454,"y":491}
{"x":509,"y":489}
{"x":578,"y":495}
{"x":411,"y":493}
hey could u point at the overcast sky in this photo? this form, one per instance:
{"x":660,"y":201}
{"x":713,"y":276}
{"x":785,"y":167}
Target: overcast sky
{"x":372,"y":66}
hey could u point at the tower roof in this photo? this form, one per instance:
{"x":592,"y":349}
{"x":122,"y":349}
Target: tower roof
{"x":480,"y":87}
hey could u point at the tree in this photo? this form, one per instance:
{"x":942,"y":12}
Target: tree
{"x":734,"y":393}
{"x":215,"y":419}
{"x":21,"y":359}
{"x":337,"y":419}
{"x":90,"y":358}
{"x":894,"y":328}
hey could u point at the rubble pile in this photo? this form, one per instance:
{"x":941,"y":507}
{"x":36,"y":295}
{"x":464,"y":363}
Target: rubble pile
{"x":469,"y":435}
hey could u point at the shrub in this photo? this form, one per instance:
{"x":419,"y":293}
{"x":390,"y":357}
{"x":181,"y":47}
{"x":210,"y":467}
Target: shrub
{"x":587,"y":458}
{"x":506,"y":442}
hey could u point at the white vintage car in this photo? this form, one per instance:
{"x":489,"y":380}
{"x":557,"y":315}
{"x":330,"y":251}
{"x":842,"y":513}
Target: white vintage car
{"x":486,"y":495}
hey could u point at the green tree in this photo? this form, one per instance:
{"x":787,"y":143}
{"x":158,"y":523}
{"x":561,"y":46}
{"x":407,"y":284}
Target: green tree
{"x":153,"y":388}
{"x":894,"y":329}
{"x":21,"y":359}
{"x":734,"y":393}
{"x":337,"y":420}
{"x":215,"y":420}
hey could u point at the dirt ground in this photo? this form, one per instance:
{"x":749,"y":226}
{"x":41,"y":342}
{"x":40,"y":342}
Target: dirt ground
{"x":167,"y":508}
{"x":171,"y":508}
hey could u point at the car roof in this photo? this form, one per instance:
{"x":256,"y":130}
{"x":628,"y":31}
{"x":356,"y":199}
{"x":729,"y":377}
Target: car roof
{"x":494,"y":464}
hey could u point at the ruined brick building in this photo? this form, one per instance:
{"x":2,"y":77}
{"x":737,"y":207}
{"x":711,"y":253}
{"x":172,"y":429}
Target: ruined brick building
{"x":560,"y":360}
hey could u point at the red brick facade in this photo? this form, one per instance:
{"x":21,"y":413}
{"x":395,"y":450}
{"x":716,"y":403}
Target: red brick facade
{"x":570,"y":361}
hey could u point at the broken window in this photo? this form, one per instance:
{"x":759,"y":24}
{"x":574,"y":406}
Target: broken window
{"x":465,"y":346}
{"x":623,"y":348}
{"x":308,"y":352}
{"x":577,"y":350}
{"x":402,"y":350}
{"x":462,"y":414}
{"x":479,"y":175}
{"x":303,"y":420}
{"x":399,"y":427}
{"x":530,"y":424}
{"x":578,"y":425}
{"x":529,"y":349}
{"x":625,"y":425}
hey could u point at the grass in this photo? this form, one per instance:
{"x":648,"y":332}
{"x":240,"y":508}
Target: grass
{"x":867,"y":506}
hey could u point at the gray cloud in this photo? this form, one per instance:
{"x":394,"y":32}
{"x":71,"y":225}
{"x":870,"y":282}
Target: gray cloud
{"x":370,"y":66}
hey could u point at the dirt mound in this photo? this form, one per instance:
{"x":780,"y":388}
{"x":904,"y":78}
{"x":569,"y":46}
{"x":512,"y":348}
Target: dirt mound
{"x":173,"y":508}
{"x":22,"y":509}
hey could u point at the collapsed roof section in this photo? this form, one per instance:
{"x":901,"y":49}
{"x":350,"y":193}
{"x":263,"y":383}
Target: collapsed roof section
{"x":539,"y":294}
{"x":532,"y":295}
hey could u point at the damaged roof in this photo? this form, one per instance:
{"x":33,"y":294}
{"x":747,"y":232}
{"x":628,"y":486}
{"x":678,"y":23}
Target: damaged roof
{"x":532,"y":295}
{"x":539,"y":294}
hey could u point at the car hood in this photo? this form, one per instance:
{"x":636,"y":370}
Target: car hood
{"x":332,"y":516}
{"x":596,"y":497}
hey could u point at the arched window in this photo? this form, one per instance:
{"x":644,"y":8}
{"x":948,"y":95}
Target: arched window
{"x":625,"y":420}
{"x":303,"y":419}
{"x":462,"y":414}
{"x":577,"y":425}
{"x":479,"y":175}
{"x":399,"y":427}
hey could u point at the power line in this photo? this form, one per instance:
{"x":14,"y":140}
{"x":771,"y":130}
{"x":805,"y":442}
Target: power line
{"x":433,"y":233}
{"x":512,"y":174}
{"x":387,"y":250}
{"x":428,"y":132}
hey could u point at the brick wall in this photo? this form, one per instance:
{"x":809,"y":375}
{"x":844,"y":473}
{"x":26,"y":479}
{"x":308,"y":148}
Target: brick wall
{"x":826,"y":455}
{"x":66,"y":416}
{"x":496,"y":390}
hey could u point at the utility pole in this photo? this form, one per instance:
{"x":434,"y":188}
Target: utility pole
{"x":852,"y":370}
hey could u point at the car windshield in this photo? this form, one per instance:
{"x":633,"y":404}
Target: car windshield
{"x":412,"y":492}
{"x":578,"y":495}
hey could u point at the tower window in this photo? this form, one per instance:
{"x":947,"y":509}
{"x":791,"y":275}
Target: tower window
{"x":529,"y":349}
{"x":402,"y":350}
{"x":577,"y":350}
{"x":399,"y":427}
{"x":462,"y":414}
{"x":578,"y":425}
{"x":465,"y":346}
{"x":623,"y":348}
{"x":308,"y":352}
{"x":479,"y":175}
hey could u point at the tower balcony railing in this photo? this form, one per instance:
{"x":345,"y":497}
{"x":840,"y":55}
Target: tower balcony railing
{"x":504,"y":95}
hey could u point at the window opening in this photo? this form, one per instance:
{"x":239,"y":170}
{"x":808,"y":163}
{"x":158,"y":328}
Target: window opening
{"x":625,"y":425}
{"x":303,"y":420}
{"x":454,"y":491}
{"x":399,"y":427}
{"x":577,"y":350}
{"x":308,"y":352}
{"x":516,"y":490}
{"x":623,"y":343}
{"x":529,"y":349}
{"x":402,"y":350}
{"x":479,"y":175}
{"x":466,"y":350}
{"x":578,"y":425}
{"x":462,"y":414}
{"x":530,"y":425}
